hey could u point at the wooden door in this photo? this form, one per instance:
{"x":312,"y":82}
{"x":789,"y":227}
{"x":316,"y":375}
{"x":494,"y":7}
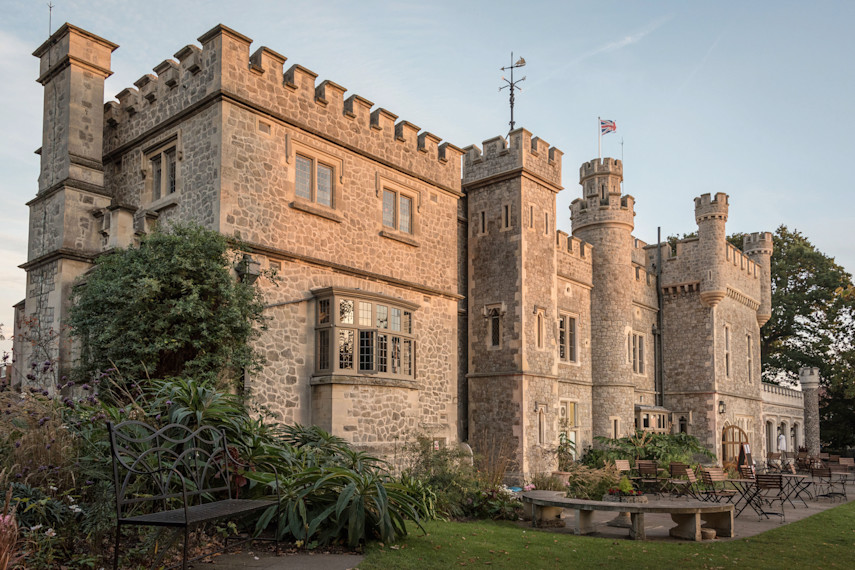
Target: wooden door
{"x":731,"y":438}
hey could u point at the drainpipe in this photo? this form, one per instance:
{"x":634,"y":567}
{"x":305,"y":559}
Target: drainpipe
{"x":660,"y":386}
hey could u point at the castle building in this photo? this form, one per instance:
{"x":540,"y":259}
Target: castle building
{"x":408,"y":298}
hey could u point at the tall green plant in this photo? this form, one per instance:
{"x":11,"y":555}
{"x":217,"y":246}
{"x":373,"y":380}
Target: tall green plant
{"x":170,"y":307}
{"x":661,"y":447}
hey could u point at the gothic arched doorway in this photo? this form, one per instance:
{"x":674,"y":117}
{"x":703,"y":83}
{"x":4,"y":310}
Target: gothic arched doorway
{"x":731,"y":438}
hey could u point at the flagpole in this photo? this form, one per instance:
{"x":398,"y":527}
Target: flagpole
{"x":599,"y":140}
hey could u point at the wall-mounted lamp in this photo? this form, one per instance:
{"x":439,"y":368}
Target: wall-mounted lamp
{"x":248,"y":269}
{"x":722,"y":407}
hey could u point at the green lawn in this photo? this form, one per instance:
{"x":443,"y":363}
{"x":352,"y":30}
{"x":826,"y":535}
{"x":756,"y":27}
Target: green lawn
{"x":825,"y":540}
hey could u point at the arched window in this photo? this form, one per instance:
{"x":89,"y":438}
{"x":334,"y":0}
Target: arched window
{"x":541,"y":427}
{"x":495,"y":328}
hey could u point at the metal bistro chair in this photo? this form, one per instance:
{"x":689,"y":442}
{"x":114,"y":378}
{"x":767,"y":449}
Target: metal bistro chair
{"x":622,"y":465}
{"x":773,"y":462}
{"x":648,"y":476}
{"x":825,"y":481}
{"x":746,"y":472}
{"x":849,"y":464}
{"x":714,"y":480}
{"x":770,"y":489}
{"x":683,"y":482}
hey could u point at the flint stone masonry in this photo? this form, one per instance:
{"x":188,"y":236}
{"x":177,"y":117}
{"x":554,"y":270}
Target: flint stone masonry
{"x":810,"y":381}
{"x":226,"y":122}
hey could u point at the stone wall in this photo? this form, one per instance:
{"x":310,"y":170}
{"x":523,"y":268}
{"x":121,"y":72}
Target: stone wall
{"x":604,"y":218}
{"x":688,"y":365}
{"x":199,"y":170}
{"x":290,"y":387}
{"x":783,"y":405}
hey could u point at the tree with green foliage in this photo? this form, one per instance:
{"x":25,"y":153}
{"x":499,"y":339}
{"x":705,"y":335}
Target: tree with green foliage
{"x":170,"y":307}
{"x":811,"y":323}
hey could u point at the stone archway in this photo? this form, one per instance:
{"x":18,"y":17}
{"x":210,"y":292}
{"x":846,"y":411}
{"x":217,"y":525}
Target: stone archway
{"x":732,"y":437}
{"x":771,"y":435}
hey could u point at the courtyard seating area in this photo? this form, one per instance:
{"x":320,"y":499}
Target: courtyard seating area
{"x":755,"y":496}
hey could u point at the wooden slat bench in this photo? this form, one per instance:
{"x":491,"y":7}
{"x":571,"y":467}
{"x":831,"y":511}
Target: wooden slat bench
{"x":546,"y":507}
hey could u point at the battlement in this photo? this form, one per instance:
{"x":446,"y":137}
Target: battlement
{"x":520,"y":151}
{"x":757,"y":243}
{"x":708,"y":208}
{"x":573,"y":246}
{"x":224,"y":67}
{"x":609,"y":166}
{"x":741,"y":261}
{"x":809,"y":377}
{"x":595,"y":209}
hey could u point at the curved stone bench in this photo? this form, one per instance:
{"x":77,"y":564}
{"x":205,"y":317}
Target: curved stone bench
{"x":690,"y":516}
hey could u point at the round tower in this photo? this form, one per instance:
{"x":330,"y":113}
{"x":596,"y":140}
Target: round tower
{"x":604,"y":218}
{"x":711,"y":216}
{"x":758,"y":247}
{"x":809,"y":379}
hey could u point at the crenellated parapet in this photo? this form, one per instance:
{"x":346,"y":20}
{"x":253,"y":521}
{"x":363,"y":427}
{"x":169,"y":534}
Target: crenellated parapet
{"x":223,"y":69}
{"x":602,"y":201}
{"x":521,"y":152}
{"x":709,"y":208}
{"x":757,"y":243}
{"x":572,"y":246}
{"x":741,"y":263}
{"x":601,"y":177}
{"x":758,"y":247}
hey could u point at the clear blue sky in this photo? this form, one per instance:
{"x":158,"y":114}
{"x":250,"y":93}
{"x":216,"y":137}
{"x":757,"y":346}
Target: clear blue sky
{"x":754,"y":99}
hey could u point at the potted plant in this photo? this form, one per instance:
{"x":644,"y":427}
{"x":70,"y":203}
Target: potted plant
{"x":624,"y":493}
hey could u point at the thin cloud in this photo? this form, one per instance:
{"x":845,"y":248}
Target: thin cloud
{"x":610,"y":47}
{"x":701,"y":64}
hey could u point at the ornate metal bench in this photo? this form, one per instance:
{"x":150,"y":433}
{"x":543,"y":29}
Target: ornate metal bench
{"x":175,"y":477}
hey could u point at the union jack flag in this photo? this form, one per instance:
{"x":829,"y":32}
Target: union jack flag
{"x":607,"y":126}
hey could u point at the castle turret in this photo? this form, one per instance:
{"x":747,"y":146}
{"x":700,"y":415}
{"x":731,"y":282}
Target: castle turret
{"x":809,"y":379}
{"x":711,"y":216}
{"x":64,"y":232}
{"x":510,"y":194}
{"x":604,"y":219}
{"x":758,"y":247}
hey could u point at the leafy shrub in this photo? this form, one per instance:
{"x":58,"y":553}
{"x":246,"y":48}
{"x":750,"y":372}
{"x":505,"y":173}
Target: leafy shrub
{"x":495,"y":503}
{"x":591,"y":483}
{"x":168,"y":308}
{"x":546,"y":482}
{"x":661,"y":447}
{"x":462,"y":486}
{"x":448,"y":472}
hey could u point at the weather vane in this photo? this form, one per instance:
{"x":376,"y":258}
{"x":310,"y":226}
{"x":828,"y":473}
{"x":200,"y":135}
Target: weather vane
{"x":50,"y":18}
{"x":511,"y":84}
